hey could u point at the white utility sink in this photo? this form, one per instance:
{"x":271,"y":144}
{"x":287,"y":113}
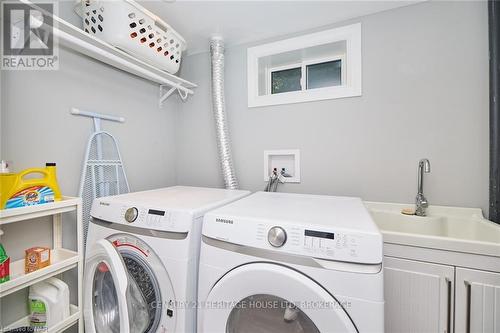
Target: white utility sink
{"x":447,"y":228}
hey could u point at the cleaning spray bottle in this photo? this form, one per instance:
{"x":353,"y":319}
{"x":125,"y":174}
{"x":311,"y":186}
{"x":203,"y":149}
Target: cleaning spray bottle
{"x":4,"y":264}
{"x":17,"y":190}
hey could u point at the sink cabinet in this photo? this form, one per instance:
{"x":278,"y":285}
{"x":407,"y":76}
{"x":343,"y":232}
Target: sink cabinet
{"x":441,"y":271}
{"x":477,"y":301}
{"x":425,"y":297}
{"x":418,"y":296}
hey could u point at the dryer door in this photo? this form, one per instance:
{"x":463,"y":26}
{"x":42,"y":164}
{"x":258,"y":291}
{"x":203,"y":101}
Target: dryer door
{"x":112,"y":301}
{"x":265,"y":297}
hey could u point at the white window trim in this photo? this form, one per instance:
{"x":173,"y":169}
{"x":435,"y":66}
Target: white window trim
{"x":303,"y":68}
{"x":351,"y":67}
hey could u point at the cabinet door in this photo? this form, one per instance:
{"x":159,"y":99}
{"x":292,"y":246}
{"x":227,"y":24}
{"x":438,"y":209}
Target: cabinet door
{"x":418,"y":296}
{"x":478,"y":301}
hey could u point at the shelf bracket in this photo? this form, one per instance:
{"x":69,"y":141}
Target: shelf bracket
{"x":183,"y":94}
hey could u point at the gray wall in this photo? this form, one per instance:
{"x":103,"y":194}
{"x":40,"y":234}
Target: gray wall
{"x":425,"y":94}
{"x":37,"y":126}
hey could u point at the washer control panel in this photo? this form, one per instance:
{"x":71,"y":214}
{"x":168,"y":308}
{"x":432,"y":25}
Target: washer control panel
{"x":155,"y":216}
{"x":140,"y":216}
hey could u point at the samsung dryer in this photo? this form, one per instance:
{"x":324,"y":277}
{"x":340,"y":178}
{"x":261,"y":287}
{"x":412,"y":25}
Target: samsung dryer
{"x":276,"y":262}
{"x":142,"y":259}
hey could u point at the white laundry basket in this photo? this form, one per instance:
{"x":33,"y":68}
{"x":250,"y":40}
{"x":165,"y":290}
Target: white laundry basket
{"x":132,"y":28}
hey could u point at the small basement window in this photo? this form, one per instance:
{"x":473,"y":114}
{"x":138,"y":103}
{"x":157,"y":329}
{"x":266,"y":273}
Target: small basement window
{"x":305,"y":76}
{"x":324,"y":74}
{"x":285,"y":80}
{"x":323,"y":65}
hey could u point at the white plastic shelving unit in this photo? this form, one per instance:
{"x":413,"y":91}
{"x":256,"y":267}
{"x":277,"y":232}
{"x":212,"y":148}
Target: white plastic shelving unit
{"x":80,"y":41}
{"x":60,"y":327}
{"x":62,"y":259}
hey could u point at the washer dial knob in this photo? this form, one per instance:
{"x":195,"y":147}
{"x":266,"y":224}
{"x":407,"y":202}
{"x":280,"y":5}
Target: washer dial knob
{"x":131,"y":214}
{"x":276,"y":236}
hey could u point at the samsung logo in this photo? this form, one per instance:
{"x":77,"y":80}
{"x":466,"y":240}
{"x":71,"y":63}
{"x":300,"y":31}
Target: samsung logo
{"x":224,"y":221}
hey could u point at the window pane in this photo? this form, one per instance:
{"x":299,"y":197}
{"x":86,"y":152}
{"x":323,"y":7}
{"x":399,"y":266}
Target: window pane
{"x":285,"y":80}
{"x":325,"y":74}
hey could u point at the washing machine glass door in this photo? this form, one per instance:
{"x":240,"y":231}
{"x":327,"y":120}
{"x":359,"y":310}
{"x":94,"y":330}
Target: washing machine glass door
{"x":146,"y":270}
{"x":265,"y":297}
{"x":113,"y":303}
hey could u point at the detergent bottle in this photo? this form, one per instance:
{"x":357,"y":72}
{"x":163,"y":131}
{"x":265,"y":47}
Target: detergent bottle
{"x":49,"y":303}
{"x":17,"y":190}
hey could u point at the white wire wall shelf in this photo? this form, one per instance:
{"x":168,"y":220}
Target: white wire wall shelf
{"x":76,"y":39}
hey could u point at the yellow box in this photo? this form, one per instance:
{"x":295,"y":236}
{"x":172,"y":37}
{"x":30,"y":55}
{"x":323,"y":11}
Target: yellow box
{"x":36,"y":258}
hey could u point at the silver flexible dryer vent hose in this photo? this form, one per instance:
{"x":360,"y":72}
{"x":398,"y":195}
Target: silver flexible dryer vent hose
{"x":219,"y":109}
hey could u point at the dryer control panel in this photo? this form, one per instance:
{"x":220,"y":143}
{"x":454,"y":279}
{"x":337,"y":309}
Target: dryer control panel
{"x":318,"y":242}
{"x":335,"y":245}
{"x":329,"y":242}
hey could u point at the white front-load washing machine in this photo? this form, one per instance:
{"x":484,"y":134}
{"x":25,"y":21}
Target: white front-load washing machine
{"x":276,"y":262}
{"x":142,"y":259}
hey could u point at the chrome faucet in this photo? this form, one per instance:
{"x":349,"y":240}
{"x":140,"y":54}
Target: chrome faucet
{"x":421,"y":202}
